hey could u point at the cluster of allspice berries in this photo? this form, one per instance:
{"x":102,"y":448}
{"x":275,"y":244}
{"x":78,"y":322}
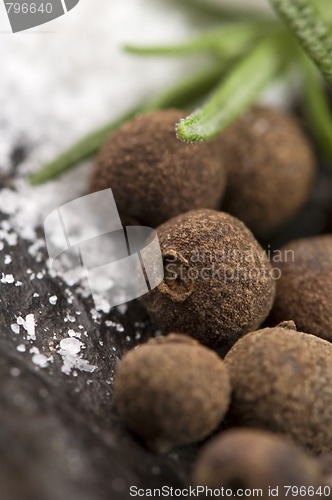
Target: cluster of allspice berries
{"x":247,"y":340}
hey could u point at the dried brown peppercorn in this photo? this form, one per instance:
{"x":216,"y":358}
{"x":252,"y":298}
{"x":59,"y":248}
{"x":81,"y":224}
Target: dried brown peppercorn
{"x":153,"y":175}
{"x":217,"y":284}
{"x":282,"y":381}
{"x":304,"y":290}
{"x":254,"y":460}
{"x":171,"y":391}
{"x":270,"y":168}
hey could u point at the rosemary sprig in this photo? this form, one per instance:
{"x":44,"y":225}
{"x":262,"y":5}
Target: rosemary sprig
{"x":310,"y":28}
{"x":233,"y":96}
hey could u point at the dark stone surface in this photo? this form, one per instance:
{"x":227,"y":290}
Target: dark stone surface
{"x":60,"y":437}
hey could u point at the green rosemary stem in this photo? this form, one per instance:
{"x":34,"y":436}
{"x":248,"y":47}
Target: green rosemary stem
{"x":317,"y":111}
{"x":182,"y":94}
{"x":220,"y":11}
{"x":310,"y":28}
{"x":228,"y":41}
{"x":236,"y":93}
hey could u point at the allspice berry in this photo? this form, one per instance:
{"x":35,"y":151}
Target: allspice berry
{"x":270,"y":167}
{"x":282,"y":381}
{"x":171,"y":391}
{"x":217,"y":282}
{"x":153,"y":175}
{"x":304,"y":290}
{"x":249,"y":459}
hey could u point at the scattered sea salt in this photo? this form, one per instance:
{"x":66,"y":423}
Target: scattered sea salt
{"x":69,"y":318}
{"x":28,"y":324}
{"x":34,"y":249}
{"x":7,"y":278}
{"x":72,"y":333}
{"x":7,"y":259}
{"x":21,"y":348}
{"x":116,"y":326}
{"x":15,"y":328}
{"x":53,"y":300}
{"x":40,"y":360}
{"x":72,"y":361}
{"x":71,"y":345}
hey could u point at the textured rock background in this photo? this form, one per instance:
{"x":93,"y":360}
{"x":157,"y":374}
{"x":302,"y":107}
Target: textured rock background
{"x":59,"y":434}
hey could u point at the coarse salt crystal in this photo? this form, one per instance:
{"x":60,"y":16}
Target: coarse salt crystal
{"x":53,"y":300}
{"x":40,"y":360}
{"x":71,"y":345}
{"x":72,"y":333}
{"x":15,"y":328}
{"x":28,"y":325}
{"x":7,"y":278}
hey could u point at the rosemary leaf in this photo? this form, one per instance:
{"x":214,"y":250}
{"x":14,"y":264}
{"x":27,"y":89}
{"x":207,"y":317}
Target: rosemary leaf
{"x":312,"y":31}
{"x":317,"y":111}
{"x":236,"y":93}
{"x":227,"y":41}
{"x":218,"y":10}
